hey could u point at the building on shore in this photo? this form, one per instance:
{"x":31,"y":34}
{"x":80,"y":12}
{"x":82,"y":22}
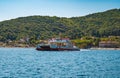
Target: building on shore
{"x":108,"y":44}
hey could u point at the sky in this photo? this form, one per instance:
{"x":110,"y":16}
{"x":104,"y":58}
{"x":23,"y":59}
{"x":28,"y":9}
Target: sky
{"x":11,"y":9}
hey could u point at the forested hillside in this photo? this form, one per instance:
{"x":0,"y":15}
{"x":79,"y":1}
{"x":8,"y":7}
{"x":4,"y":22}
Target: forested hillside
{"x":101,"y":24}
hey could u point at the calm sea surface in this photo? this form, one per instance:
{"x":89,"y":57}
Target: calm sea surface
{"x":29,"y":63}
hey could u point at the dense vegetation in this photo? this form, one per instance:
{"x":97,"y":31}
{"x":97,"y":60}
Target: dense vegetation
{"x":101,"y":24}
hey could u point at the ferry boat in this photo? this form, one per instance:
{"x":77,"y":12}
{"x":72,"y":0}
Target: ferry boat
{"x":57,"y":44}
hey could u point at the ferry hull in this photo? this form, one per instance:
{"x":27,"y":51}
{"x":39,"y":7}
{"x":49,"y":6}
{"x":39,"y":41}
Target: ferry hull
{"x":57,"y":49}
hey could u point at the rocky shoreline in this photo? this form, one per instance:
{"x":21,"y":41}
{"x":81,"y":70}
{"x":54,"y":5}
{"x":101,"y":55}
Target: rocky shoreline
{"x":104,"y":48}
{"x":93,"y":48}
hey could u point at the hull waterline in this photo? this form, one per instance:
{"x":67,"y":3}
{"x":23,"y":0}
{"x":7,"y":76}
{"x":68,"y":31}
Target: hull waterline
{"x":58,"y":49}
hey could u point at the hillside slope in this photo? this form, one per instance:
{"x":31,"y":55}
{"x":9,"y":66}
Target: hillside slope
{"x":98,"y":24}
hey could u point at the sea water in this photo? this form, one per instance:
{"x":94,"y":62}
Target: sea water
{"x":29,"y":63}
